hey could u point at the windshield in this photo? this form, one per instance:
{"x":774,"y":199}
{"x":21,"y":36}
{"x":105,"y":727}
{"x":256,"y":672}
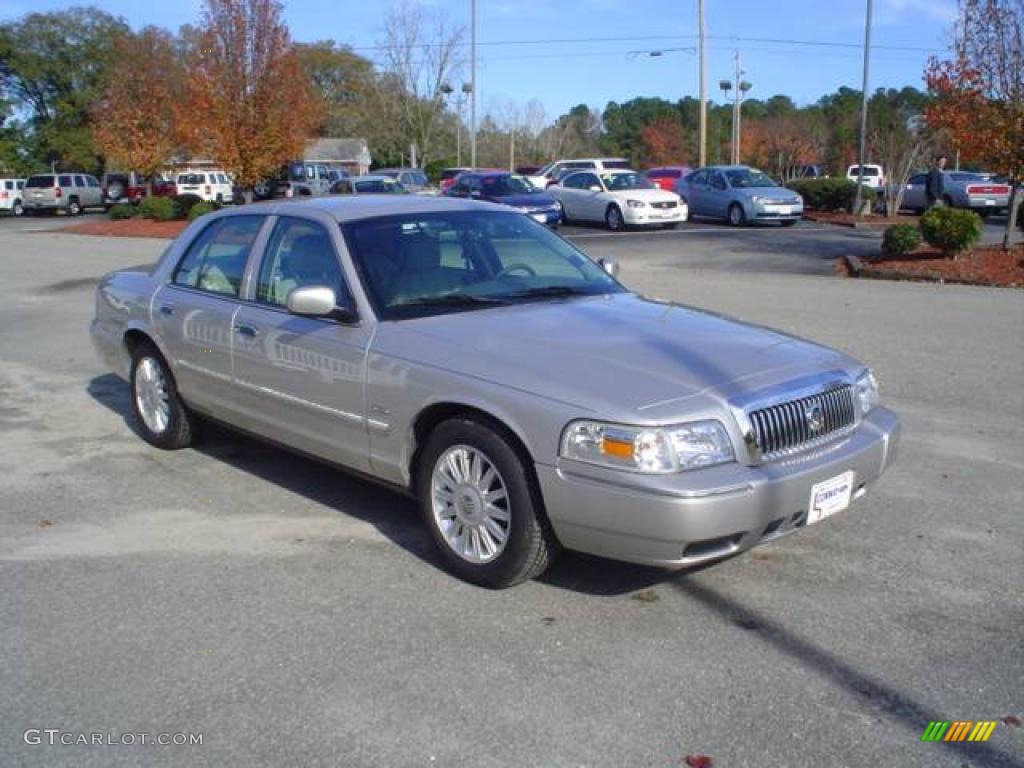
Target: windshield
{"x":742,"y":178}
{"x":379,"y":186}
{"x":419,"y":179}
{"x":191,"y":178}
{"x":504,"y":186}
{"x":430,"y":263}
{"x":619,"y":181}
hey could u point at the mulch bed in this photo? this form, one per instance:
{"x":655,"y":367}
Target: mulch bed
{"x":984,"y":265}
{"x":872,"y":221}
{"x":127,"y":228}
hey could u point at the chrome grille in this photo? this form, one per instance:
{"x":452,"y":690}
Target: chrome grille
{"x":797,"y":424}
{"x":668,"y":204}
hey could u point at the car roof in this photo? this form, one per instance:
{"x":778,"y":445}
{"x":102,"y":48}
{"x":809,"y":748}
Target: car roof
{"x":370,"y":177}
{"x":344,"y":208}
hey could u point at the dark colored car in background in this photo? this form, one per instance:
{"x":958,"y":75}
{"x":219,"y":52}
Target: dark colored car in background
{"x":509,"y":189}
{"x":448,"y":176}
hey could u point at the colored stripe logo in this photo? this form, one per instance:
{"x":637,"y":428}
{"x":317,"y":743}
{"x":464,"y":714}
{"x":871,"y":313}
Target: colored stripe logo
{"x":959,"y":730}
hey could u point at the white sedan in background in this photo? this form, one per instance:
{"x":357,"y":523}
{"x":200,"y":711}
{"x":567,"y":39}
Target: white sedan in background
{"x":619,"y":198}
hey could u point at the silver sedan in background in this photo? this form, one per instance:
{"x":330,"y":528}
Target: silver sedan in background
{"x":740,"y":195}
{"x":466,"y":354}
{"x":977,"y":192}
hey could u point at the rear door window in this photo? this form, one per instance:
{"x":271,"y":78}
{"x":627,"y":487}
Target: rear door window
{"x":216,"y":259}
{"x":65,"y":181}
{"x":79,"y":181}
{"x":8,"y":185}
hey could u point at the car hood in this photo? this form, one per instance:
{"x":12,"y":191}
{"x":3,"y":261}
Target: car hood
{"x":619,"y":353}
{"x":647,"y":195}
{"x":769,"y":193}
{"x":528,"y":200}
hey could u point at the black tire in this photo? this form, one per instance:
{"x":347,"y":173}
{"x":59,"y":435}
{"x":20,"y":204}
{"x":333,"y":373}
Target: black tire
{"x":18,"y":209}
{"x":613,"y":218}
{"x":220,"y":200}
{"x":531,"y":545}
{"x":74,"y":207}
{"x":178,"y":432}
{"x":737,"y":217}
{"x":565,"y":212}
{"x":671,"y":225}
{"x":788,"y":222}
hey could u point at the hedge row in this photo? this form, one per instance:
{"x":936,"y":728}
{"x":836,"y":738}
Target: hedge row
{"x":164,"y":208}
{"x":829,"y":194}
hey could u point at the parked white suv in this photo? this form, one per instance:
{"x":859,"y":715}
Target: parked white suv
{"x":11,"y":196}
{"x":210,"y":186}
{"x":553,"y":171}
{"x":873,"y":175}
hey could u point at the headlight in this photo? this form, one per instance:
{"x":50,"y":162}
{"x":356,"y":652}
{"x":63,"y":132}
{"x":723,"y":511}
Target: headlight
{"x":635,"y":203}
{"x":651,"y":450}
{"x":867,"y":392}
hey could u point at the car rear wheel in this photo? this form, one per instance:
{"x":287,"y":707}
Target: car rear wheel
{"x":74,"y":207}
{"x":161,"y":416}
{"x":736,"y":215}
{"x":481,"y":506}
{"x":18,"y":209}
{"x":613,"y":218}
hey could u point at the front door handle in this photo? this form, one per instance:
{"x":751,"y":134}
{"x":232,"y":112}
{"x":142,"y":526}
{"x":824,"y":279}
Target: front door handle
{"x":246,"y":330}
{"x":166,"y":309}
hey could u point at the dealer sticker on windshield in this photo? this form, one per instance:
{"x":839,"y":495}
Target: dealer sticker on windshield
{"x":830,"y":496}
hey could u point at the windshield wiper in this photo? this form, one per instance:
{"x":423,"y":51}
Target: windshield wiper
{"x":549,"y":290}
{"x":450,"y":300}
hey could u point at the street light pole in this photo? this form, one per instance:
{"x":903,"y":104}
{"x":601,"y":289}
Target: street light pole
{"x":472,"y":81}
{"x":702,"y":140}
{"x":863,"y":110}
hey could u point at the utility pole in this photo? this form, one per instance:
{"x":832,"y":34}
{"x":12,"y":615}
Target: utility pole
{"x":702,"y":136}
{"x":863,"y":110}
{"x":736,"y":114}
{"x":472,"y":81}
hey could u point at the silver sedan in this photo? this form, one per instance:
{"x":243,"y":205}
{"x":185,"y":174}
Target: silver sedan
{"x":740,"y":195}
{"x":468,"y":355}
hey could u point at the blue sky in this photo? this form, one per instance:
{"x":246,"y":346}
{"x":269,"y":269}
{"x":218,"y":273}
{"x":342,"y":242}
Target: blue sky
{"x":563,"y":74}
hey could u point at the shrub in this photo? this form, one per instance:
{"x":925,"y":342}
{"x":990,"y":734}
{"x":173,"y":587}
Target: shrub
{"x":951,"y":230}
{"x":829,"y":194}
{"x":159,"y":208}
{"x":900,"y":239}
{"x":185,"y":202}
{"x":200,"y":209}
{"x":122,"y":211}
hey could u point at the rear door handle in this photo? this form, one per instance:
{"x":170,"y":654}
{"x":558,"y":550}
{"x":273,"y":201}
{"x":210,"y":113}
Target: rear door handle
{"x":166,"y":309}
{"x":246,"y":330}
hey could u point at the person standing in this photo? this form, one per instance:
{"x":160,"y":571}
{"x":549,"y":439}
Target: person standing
{"x":935,"y":186}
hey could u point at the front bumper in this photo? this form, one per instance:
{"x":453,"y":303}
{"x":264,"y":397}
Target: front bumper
{"x":693,"y":517}
{"x":648,"y":215}
{"x":778,"y":212}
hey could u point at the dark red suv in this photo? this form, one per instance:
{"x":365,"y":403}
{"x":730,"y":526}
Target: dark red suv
{"x":131,"y":188}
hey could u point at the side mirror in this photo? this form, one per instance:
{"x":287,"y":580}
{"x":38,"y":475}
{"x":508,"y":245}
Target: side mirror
{"x":611,"y":266}
{"x":318,"y":301}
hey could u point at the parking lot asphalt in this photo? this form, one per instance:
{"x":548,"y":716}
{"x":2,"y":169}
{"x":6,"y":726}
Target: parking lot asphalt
{"x":294,"y":615}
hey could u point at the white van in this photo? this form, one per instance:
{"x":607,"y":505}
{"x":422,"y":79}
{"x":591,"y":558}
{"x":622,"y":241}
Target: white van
{"x":553,"y":171}
{"x":873,"y":176}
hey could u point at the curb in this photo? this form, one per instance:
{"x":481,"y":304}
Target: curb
{"x":874,"y":226}
{"x":856,"y":268}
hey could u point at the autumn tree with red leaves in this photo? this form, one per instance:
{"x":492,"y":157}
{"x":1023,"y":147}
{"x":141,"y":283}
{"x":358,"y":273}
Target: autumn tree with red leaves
{"x":133,"y":123}
{"x":979,"y":91}
{"x":664,"y":143}
{"x":249,"y":102}
{"x":782,"y":144}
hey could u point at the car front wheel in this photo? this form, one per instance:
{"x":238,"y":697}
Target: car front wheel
{"x":74,"y":207}
{"x":736,"y":216}
{"x":613,"y":218}
{"x":160,"y":414}
{"x":481,"y":506}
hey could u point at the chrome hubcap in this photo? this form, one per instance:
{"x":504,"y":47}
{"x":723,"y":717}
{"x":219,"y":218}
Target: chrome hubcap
{"x":470,"y":504}
{"x":151,"y":396}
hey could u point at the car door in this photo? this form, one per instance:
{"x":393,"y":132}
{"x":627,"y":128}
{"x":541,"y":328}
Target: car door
{"x":570,"y":192}
{"x":193,"y":311}
{"x":718,"y":196}
{"x":694,"y":190}
{"x":592,"y":202}
{"x":301,"y":379}
{"x":914,"y":196}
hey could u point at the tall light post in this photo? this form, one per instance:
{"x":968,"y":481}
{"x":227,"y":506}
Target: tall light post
{"x":460,"y":102}
{"x":702,"y":129}
{"x":472,"y":83}
{"x":739,"y":88}
{"x":726,"y":86}
{"x":863,"y":110}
